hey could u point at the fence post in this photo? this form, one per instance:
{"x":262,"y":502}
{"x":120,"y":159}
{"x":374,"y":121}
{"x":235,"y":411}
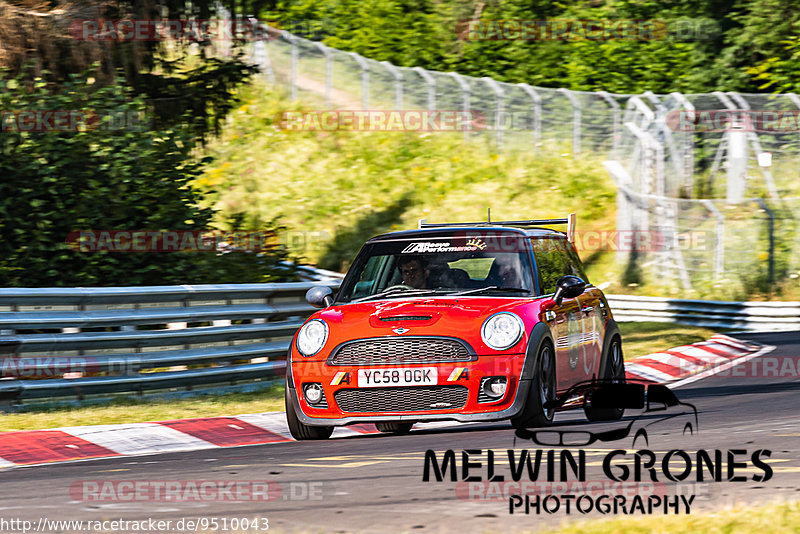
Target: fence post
{"x":398,"y":84}
{"x":499,"y":116}
{"x":617,"y":135}
{"x":537,"y":113}
{"x":364,"y":79}
{"x":576,"y":121}
{"x":465,"y":102}
{"x":688,"y":144}
{"x":752,"y":136}
{"x":260,"y":53}
{"x":796,"y":101}
{"x":293,"y":68}
{"x":328,"y":72}
{"x":431,"y":87}
{"x":719,"y":239}
{"x":770,"y":237}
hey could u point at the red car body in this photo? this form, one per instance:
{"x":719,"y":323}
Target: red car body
{"x":376,"y":353}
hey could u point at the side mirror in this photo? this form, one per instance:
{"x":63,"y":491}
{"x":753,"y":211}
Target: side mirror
{"x":568,"y":287}
{"x":319,"y":296}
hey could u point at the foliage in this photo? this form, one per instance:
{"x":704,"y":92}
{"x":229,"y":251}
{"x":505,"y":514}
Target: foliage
{"x":702,"y":46}
{"x":120,"y":175}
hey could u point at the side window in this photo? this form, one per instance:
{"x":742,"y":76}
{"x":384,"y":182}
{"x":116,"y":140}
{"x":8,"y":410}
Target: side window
{"x":369,"y":276}
{"x":575,"y":264}
{"x":555,"y":257}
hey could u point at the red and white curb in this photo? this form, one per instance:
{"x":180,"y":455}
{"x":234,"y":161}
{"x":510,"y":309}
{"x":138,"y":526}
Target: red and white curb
{"x":689,"y":360}
{"x":34,"y":447}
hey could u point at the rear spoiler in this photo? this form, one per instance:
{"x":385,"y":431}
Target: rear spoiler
{"x":569,"y":220}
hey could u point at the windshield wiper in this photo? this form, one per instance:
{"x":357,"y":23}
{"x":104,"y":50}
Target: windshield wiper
{"x":493,"y":289}
{"x":398,"y":291}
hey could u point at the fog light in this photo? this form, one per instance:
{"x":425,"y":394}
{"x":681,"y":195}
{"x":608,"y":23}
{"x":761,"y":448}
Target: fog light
{"x":313,"y":393}
{"x":495,"y":387}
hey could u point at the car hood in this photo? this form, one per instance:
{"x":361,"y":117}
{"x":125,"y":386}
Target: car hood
{"x":440,"y":316}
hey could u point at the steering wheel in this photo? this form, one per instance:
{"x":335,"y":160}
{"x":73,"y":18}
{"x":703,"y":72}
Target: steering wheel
{"x":398,"y":286}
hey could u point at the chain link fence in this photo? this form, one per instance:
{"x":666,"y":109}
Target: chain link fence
{"x":725,"y":166}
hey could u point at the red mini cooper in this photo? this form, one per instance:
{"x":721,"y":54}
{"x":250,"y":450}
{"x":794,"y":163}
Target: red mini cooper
{"x":467,"y":322}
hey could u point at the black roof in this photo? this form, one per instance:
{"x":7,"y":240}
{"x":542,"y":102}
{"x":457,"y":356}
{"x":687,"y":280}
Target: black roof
{"x":449,"y":231}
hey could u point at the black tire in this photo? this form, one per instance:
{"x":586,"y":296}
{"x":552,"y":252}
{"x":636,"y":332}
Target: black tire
{"x":543,"y":388}
{"x":394,"y":428}
{"x":299,"y":430}
{"x":614,"y":364}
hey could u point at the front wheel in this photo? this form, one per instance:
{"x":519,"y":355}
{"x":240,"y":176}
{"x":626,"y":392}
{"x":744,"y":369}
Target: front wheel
{"x":614,"y":371}
{"x":394,"y":428}
{"x":543,"y":389}
{"x":298,"y":429}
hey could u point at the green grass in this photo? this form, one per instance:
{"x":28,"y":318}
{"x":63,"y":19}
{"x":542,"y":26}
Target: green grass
{"x":774,"y":518}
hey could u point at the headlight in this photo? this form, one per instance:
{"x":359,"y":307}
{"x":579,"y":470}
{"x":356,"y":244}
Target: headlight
{"x":312,"y":337}
{"x":502,"y":330}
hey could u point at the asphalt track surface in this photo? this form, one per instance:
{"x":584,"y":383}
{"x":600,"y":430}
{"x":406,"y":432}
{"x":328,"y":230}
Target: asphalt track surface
{"x":373,"y":483}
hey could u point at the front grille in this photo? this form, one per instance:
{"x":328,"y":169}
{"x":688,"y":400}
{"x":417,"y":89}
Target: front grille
{"x":405,"y":350}
{"x":404,"y":399}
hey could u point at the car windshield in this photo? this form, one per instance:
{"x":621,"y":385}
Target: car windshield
{"x":423,"y":266}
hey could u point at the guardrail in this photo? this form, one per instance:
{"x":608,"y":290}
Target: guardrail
{"x":57,"y":342}
{"x":750,"y":316}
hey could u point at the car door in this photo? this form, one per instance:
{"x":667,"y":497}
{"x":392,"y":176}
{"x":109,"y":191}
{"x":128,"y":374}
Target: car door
{"x":565,"y":321}
{"x":591,"y":323}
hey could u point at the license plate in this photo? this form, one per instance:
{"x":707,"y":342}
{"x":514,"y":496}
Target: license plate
{"x":418,"y":376}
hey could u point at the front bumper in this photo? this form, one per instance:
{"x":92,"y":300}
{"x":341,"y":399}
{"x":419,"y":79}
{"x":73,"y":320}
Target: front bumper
{"x":509,"y":365}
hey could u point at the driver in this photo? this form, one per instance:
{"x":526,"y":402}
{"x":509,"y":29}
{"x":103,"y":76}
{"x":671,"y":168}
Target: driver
{"x":413,"y":272}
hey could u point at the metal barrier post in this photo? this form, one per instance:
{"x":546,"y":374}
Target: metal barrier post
{"x":293,"y":69}
{"x":364,"y":79}
{"x":719,"y":240}
{"x":771,"y":238}
{"x":431,"y":87}
{"x":576,"y":120}
{"x":398,"y":84}
{"x":537,"y":113}
{"x":465,"y":102}
{"x":328,"y":72}
{"x":499,"y":117}
{"x":616,"y":133}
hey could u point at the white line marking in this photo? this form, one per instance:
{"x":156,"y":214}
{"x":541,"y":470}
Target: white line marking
{"x":6,"y":463}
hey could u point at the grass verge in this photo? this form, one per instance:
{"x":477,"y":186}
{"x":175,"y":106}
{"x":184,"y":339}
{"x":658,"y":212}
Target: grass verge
{"x":774,"y":518}
{"x":638,"y":339}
